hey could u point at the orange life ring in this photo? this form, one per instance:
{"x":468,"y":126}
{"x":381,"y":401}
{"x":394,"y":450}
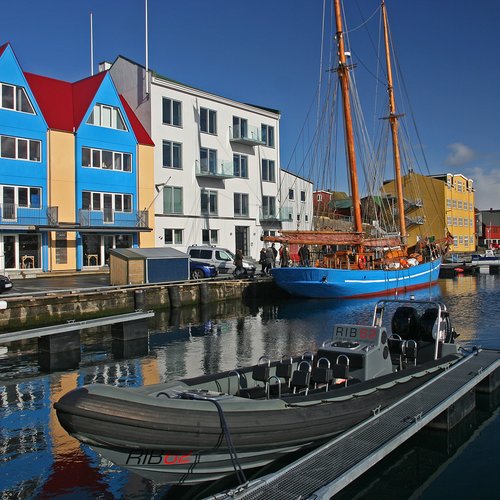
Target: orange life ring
{"x":361,"y":261}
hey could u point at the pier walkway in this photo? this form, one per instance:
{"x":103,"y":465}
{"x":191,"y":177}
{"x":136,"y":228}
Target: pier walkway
{"x":72,"y":326}
{"x":328,"y":469}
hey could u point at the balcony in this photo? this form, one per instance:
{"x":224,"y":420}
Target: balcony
{"x":414,"y":221}
{"x":222,"y":169}
{"x":11,"y":214}
{"x":248,"y":135}
{"x":284,"y":214}
{"x":109,"y":217}
{"x":412,"y":204}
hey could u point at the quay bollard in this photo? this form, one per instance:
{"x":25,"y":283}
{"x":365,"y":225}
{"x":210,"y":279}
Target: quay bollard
{"x":204,"y":296}
{"x":139,"y":300}
{"x":174,"y":294}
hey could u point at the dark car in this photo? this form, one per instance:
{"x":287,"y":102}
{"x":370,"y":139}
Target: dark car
{"x":5,"y":283}
{"x":199,"y":270}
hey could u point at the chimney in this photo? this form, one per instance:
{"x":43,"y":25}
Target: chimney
{"x":104,"y":66}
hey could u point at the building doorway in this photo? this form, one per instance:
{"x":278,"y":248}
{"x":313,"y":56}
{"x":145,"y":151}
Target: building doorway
{"x":241,"y":239}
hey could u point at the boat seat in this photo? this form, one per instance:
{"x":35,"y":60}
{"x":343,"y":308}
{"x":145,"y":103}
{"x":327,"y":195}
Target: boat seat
{"x":341,"y":368}
{"x":410,"y":351}
{"x":406,"y":323}
{"x":301,"y":378}
{"x":260,"y":372}
{"x":284,"y":369}
{"x":396,"y":349}
{"x":322,"y":374}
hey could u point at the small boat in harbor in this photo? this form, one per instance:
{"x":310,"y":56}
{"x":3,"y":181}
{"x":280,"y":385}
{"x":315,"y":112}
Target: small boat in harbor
{"x":373,"y":257}
{"x":488,"y":258}
{"x":200,"y":429}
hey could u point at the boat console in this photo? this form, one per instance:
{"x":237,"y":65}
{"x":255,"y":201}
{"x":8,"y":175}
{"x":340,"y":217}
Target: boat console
{"x":364,"y":348}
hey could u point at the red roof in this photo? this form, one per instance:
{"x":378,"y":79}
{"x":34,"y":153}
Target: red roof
{"x":64,"y":104}
{"x":140,"y":132}
{"x":3,"y":47}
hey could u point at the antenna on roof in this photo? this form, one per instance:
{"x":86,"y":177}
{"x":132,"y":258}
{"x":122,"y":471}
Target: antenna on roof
{"x":91,"y":46}
{"x":147,"y":56}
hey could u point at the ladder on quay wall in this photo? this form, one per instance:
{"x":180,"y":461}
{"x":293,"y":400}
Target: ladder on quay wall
{"x":72,"y":326}
{"x":325,"y":471}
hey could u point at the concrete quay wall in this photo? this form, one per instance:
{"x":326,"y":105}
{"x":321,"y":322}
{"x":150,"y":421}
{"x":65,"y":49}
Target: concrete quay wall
{"x":27,"y":311}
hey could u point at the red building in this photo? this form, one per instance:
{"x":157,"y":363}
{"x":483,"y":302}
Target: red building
{"x":490,"y":228}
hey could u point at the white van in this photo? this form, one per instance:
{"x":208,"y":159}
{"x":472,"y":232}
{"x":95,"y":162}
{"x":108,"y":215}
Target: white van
{"x":221,"y":258}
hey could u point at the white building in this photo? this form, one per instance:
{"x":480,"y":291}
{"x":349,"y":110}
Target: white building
{"x":217,"y":169}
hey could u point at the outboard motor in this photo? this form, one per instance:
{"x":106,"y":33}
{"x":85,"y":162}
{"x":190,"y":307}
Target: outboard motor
{"x":405,"y":323}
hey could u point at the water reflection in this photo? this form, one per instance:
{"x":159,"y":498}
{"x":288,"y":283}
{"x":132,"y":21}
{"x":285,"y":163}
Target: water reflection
{"x":40,"y":460}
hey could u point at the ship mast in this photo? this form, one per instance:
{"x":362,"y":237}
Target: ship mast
{"x":343,"y":71}
{"x":393,"y":120}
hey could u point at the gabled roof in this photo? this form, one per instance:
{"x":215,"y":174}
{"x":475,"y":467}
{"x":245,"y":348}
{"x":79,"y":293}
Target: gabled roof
{"x":140,"y":132}
{"x":63,"y":104}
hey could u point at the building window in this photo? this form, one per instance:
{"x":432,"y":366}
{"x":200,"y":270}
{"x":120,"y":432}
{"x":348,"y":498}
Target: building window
{"x":307,"y":218}
{"x":240,"y":205}
{"x":303,"y":196}
{"x":106,"y":202}
{"x":17,"y":148}
{"x":210,"y":236}
{"x":208,"y":121}
{"x":12,"y":197}
{"x":455,"y":240}
{"x":240,"y":127}
{"x":471,"y":208}
{"x":173,"y":236}
{"x":107,"y":160}
{"x":455,"y":221}
{"x":15,"y":98}
{"x":268,"y":171}
{"x":240,"y":166}
{"x":461,"y":240}
{"x":269,"y":233}
{"x":267,"y":133}
{"x":209,"y":202}
{"x":172,"y":112}
{"x":466,"y":222}
{"x":449,"y":221}
{"x":290,"y":215}
{"x":460,"y":222}
{"x":107,"y":116}
{"x":466,"y":241}
{"x":298,"y":217}
{"x":459,"y":186}
{"x":459,"y":204}
{"x":291,"y":194}
{"x":448,"y":203}
{"x":208,"y":160}
{"x":454,"y":203}
{"x":172,"y":200}
{"x":470,"y":223}
{"x":269,"y":206}
{"x":172,"y":154}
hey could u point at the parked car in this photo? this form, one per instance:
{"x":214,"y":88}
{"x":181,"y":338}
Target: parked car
{"x":221,"y":258}
{"x":199,"y":270}
{"x":5,"y":283}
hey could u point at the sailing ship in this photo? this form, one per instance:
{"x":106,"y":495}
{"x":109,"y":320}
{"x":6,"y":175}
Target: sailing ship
{"x":353,"y":263}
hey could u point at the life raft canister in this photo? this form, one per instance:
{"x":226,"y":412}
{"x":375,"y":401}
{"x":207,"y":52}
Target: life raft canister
{"x":361,"y":261}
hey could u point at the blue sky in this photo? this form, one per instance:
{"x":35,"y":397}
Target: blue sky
{"x":267,"y":52}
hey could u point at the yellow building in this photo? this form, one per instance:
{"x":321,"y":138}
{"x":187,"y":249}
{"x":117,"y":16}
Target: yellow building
{"x":436,"y":205}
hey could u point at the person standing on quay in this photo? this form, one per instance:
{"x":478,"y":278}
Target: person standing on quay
{"x":304,"y":256}
{"x":269,"y":260}
{"x":262,"y":260}
{"x":285,"y":256}
{"x":275,"y":253}
{"x":238,"y":262}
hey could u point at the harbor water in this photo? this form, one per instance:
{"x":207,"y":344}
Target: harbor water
{"x":39,"y":460}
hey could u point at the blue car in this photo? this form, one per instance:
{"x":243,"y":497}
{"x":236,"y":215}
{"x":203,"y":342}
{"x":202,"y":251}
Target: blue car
{"x":198,"y":270}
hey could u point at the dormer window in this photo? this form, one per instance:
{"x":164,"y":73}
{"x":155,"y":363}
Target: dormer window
{"x":106,"y":116}
{"x":15,"y":98}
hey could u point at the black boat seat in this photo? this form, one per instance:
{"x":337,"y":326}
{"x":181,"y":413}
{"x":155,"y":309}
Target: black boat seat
{"x":322,"y":374}
{"x":410,"y":351}
{"x":406,"y":323}
{"x":341,"y":368}
{"x":396,"y":349}
{"x":260,"y":372}
{"x":284,"y":369}
{"x":301,"y":378}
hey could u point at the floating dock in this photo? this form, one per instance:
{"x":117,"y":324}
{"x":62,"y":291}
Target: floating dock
{"x":325,"y":471}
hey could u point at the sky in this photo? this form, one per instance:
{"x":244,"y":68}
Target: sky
{"x":267,"y":52}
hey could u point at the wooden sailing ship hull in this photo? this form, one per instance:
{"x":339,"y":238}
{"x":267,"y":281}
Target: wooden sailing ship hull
{"x":326,"y":283}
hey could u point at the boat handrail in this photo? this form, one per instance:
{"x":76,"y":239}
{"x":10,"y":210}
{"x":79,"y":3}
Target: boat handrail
{"x":238,"y":377}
